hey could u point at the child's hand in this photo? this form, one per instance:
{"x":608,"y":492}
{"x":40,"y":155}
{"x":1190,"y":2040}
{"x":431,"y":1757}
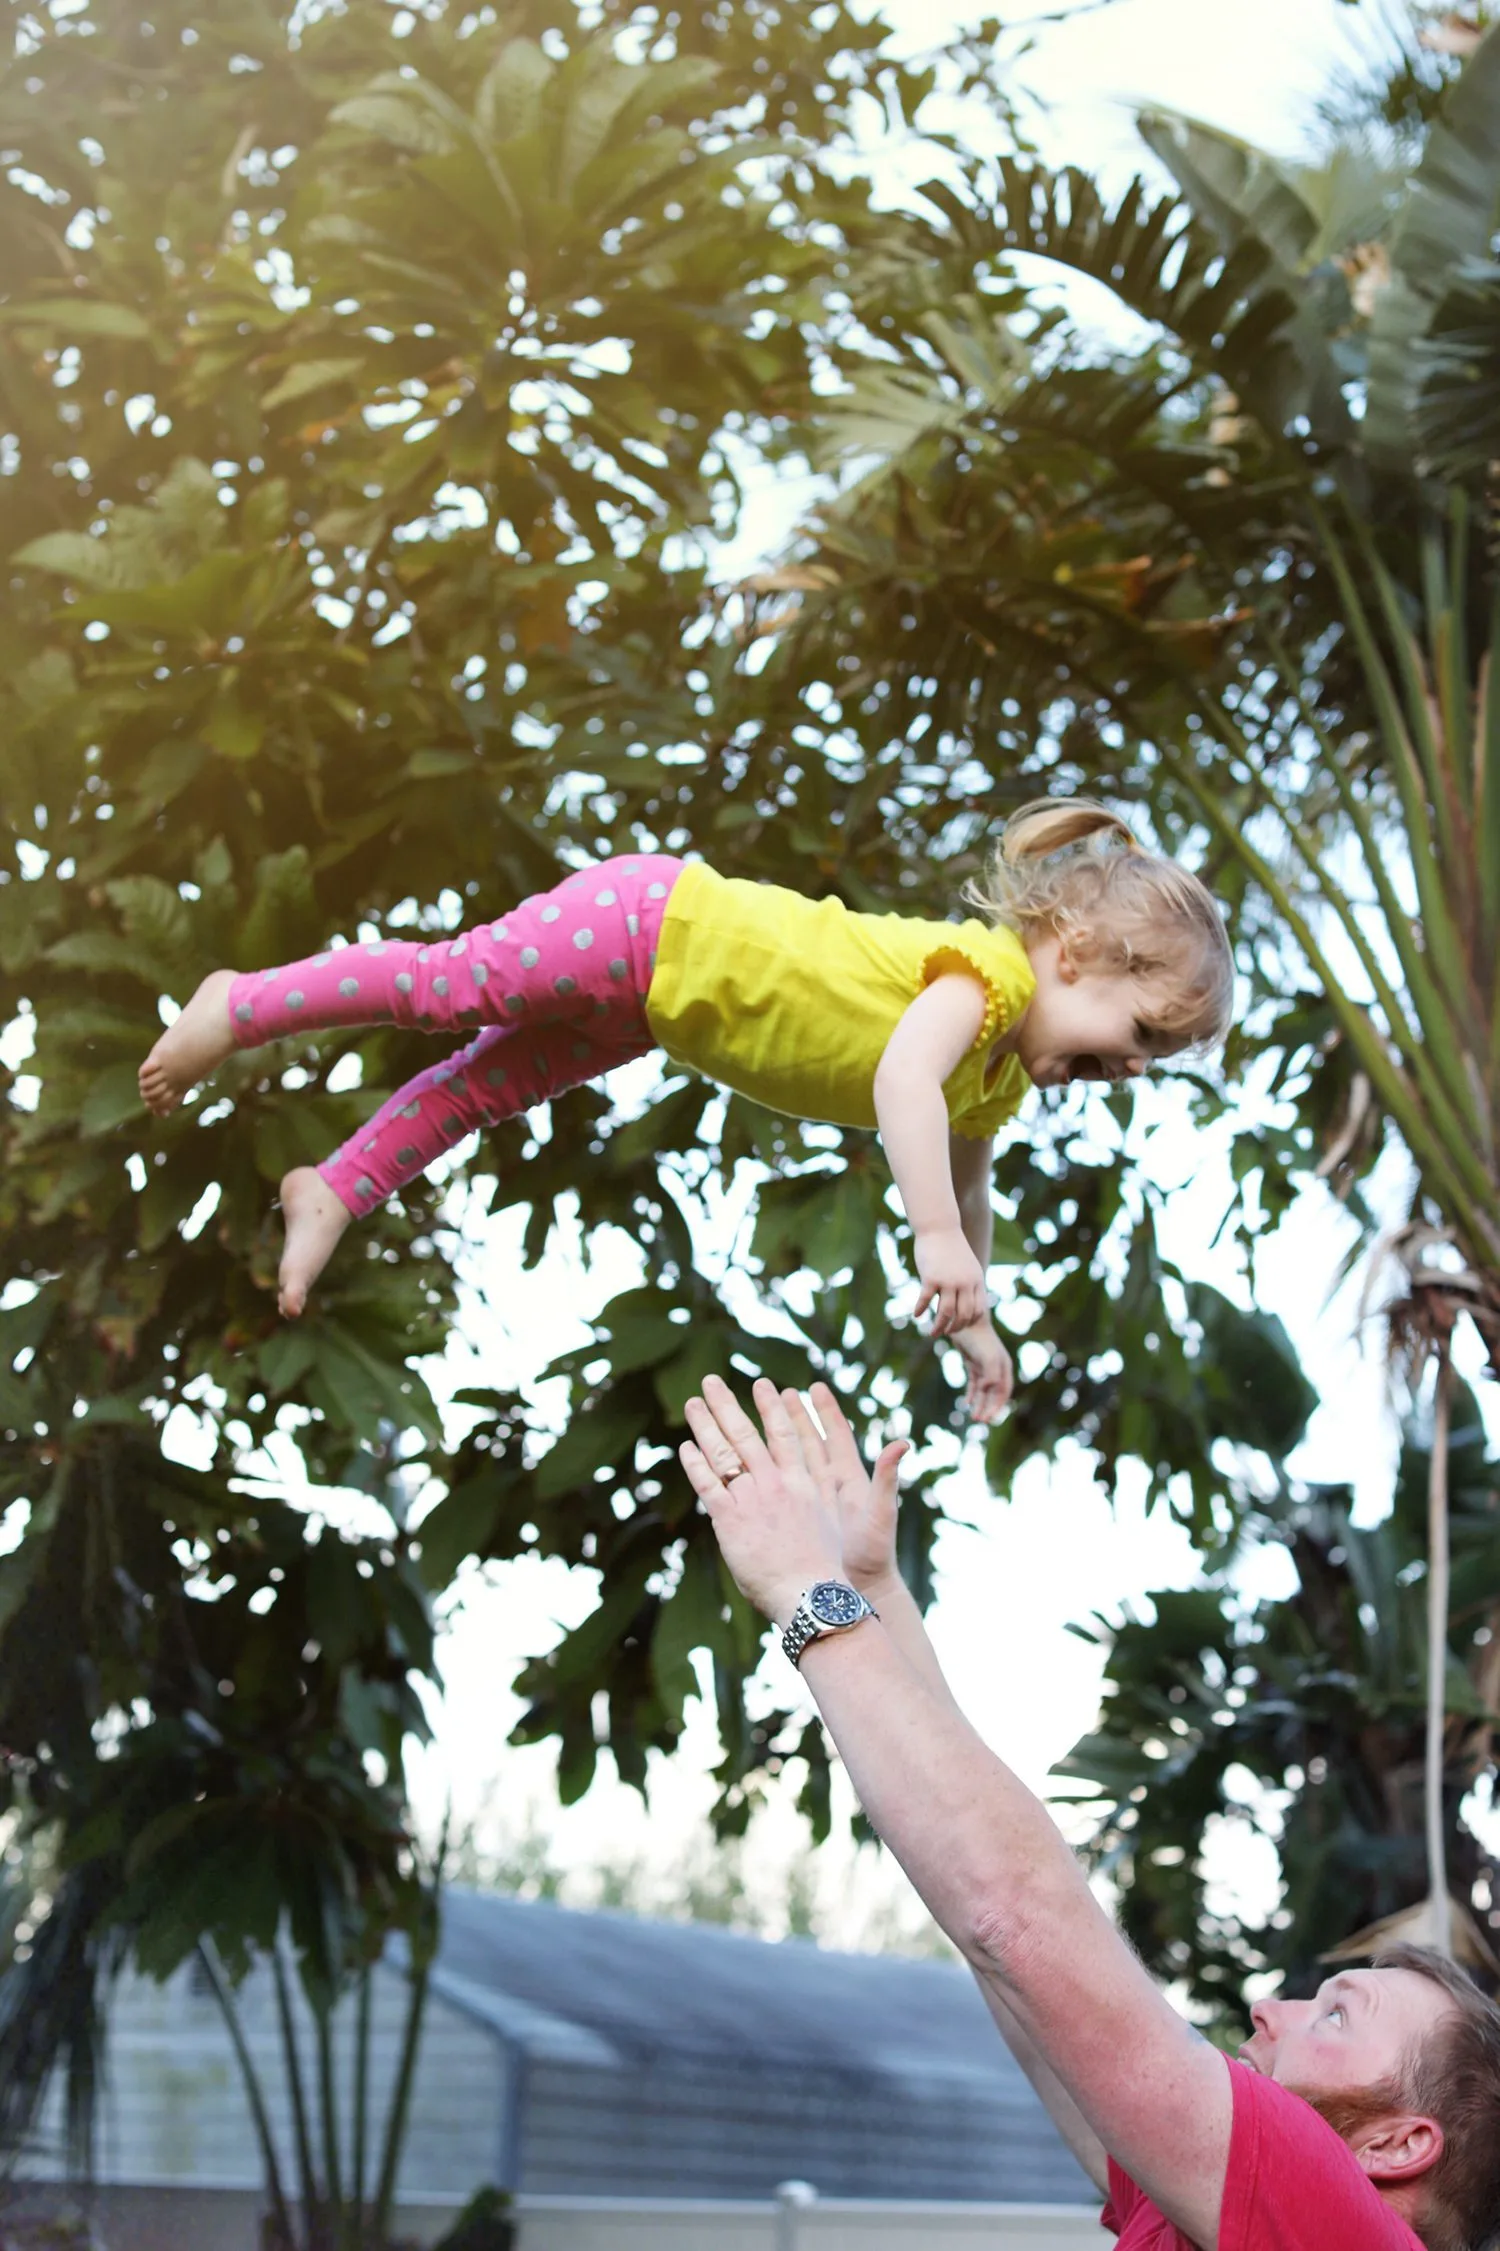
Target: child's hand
{"x":991,"y":1374}
{"x":953,"y":1276}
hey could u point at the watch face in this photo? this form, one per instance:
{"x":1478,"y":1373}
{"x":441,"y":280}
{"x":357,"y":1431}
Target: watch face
{"x":833,"y":1604}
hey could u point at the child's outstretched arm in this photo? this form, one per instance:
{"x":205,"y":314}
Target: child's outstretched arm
{"x":991,"y":1375}
{"x":932,"y":1038}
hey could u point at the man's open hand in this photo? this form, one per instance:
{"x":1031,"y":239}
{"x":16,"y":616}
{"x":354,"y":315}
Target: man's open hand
{"x":775,"y":1519}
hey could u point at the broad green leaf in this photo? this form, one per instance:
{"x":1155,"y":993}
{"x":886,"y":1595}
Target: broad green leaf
{"x":306,"y":376}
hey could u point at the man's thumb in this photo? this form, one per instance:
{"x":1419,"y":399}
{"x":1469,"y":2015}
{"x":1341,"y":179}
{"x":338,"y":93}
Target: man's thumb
{"x":887,"y":1468}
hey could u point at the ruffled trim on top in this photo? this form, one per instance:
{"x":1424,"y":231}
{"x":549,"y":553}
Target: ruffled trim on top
{"x":950,"y":958}
{"x":957,"y":955}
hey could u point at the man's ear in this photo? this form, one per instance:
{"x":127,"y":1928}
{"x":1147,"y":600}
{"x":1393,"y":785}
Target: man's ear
{"x":1401,"y":2147}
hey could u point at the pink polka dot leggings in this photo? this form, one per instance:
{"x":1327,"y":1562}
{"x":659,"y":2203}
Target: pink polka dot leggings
{"x":559,"y":985}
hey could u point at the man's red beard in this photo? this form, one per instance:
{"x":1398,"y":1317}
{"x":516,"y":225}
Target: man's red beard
{"x":1347,"y":2109}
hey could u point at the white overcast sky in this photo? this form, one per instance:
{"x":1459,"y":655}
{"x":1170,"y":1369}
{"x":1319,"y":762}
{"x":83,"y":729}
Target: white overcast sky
{"x":1010,"y":1585}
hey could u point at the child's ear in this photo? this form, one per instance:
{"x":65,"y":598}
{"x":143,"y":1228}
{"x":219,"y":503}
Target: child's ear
{"x":1068,"y":968}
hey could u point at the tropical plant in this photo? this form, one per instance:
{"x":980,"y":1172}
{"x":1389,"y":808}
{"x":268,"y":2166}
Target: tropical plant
{"x":206,"y":1741}
{"x":364,"y":576}
{"x":364,"y":438}
{"x":1304,"y":1718}
{"x":1246,"y":571}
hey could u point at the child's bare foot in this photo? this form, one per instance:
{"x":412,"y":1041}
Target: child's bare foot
{"x":190,"y":1049}
{"x":315,"y":1219}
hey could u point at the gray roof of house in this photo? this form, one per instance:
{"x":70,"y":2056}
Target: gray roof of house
{"x":881,"y":2074}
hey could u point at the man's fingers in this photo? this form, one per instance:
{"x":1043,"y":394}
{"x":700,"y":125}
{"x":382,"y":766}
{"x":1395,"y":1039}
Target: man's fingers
{"x":781,"y":1434}
{"x":701,"y":1474}
{"x":843,"y":1446}
{"x":718,"y":1449}
{"x":809,"y":1437}
{"x":734,"y":1423}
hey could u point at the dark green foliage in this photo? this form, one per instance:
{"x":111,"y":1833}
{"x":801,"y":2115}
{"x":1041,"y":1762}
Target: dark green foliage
{"x":372,"y":387}
{"x":485,"y":2224}
{"x":1318,"y":1699}
{"x":394,"y":600}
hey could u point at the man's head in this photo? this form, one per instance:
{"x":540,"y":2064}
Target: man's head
{"x":1403,"y":2059}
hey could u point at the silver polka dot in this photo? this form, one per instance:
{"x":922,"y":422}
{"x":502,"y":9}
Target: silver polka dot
{"x":565,"y":985}
{"x":583,"y":939}
{"x":656,"y":891}
{"x":295,"y":1000}
{"x":452,"y":1124}
{"x":601,"y":1008}
{"x":412,"y":1110}
{"x":459,"y":946}
{"x":348,"y":986}
{"x":515,"y":1004}
{"x":604,"y":898}
{"x":633,"y":924}
{"x":442,"y":1074}
{"x":551,"y":914}
{"x":368,"y":1148}
{"x":495,"y":1077}
{"x":651,"y":959}
{"x":364,"y":1186}
{"x":406,"y":1156}
{"x":529,"y":957}
{"x":498,"y":930}
{"x":375,"y":946}
{"x":440,"y":986}
{"x":404,"y":980}
{"x":480,"y":974}
{"x":322,"y":960}
{"x":245,"y":1013}
{"x":269,"y":976}
{"x":619,"y":969}
{"x":580,"y":1050}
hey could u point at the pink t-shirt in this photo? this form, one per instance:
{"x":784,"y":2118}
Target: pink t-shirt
{"x":1293,"y":2184}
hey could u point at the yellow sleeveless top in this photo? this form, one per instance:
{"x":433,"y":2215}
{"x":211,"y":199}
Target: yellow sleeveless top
{"x":791,"y":1001}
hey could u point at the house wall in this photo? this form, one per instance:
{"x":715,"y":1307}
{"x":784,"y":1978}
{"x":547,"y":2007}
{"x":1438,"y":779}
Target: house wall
{"x":174,"y":2110}
{"x":166,"y":2219}
{"x":719,"y":2127}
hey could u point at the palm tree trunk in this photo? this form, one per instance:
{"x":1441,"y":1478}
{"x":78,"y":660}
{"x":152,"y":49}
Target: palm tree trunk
{"x":1437,"y":1656}
{"x":361,"y":2108}
{"x":312,"y":2201}
{"x":328,"y":2105}
{"x":281,"y":2217}
{"x":395,"y":2125}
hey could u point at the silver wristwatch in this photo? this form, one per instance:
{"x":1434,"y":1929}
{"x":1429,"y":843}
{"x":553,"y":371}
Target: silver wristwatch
{"x":830,"y":1607}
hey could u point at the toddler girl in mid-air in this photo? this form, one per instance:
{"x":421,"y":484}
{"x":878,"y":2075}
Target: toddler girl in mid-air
{"x":1093,"y":959}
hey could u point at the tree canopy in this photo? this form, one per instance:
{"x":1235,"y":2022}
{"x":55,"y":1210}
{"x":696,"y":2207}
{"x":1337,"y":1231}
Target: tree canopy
{"x":376,"y":388}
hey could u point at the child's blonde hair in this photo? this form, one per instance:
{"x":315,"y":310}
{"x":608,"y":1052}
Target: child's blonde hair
{"x":1115,"y":905}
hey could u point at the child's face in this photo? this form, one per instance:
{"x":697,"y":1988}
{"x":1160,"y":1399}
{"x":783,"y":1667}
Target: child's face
{"x":1088,"y":1023}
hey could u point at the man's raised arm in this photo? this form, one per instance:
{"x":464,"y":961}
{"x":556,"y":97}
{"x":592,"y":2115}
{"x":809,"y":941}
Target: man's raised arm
{"x":980,"y":1848}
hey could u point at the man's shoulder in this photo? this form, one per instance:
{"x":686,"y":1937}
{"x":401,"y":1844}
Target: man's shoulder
{"x":1292,"y":2184}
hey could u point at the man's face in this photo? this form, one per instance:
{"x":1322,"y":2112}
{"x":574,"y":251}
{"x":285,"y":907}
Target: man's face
{"x":1356,"y":2032}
